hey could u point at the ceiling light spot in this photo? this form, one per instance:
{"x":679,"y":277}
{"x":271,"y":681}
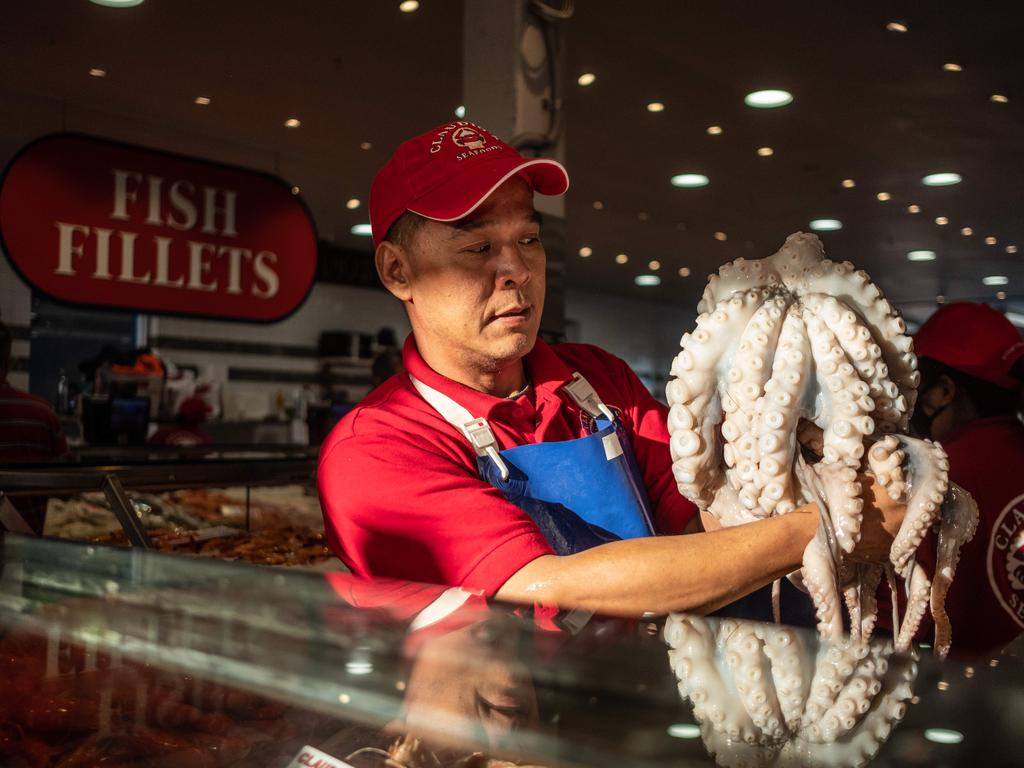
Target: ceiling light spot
{"x":296,"y":190}
{"x":352,"y":203}
{"x":966,"y":231}
{"x":896,"y":26}
{"x":848,"y":183}
{"x":654,"y":265}
{"x":598,"y":205}
{"x":97,"y":72}
{"x":941,"y":221}
{"x":990,"y":240}
{"x":765,"y":151}
{"x":944,"y":179}
{"x":952,"y":66}
{"x":684,"y":271}
{"x":943,"y":736}
{"x":292,"y":122}
{"x":883,"y":196}
{"x":647,"y":281}
{"x":586,"y":252}
{"x":999,"y":98}
{"x":655,"y":106}
{"x":203,"y":101}
{"x":1001,"y":295}
{"x":365,"y":146}
{"x":362,"y":230}
{"x":460,"y":111}
{"x":408,"y":6}
{"x":921,"y":256}
{"x":714,"y":130}
{"x":587,"y":78}
{"x":690,"y":180}
{"x":913,"y":208}
{"x":768,"y":99}
{"x":940,"y":299}
{"x":721,"y":237}
{"x":358,"y":667}
{"x":621,"y":258}
{"x":995,"y":280}
{"x":826,"y":225}
{"x":344,"y":698}
{"x":1011,"y":249}
{"x":684,"y":731}
{"x":643,"y":216}
{"x":118,"y":3}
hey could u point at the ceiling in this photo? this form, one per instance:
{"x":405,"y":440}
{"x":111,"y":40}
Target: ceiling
{"x":871,"y":105}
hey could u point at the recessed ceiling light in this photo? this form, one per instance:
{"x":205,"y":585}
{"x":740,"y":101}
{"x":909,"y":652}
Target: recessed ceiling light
{"x":765,"y":151}
{"x":941,"y":221}
{"x":913,"y":208}
{"x":684,"y":271}
{"x":292,"y":122}
{"x":647,"y":281}
{"x":1001,"y":295}
{"x":944,"y":179}
{"x":848,"y":183}
{"x":118,"y":3}
{"x":995,"y":280}
{"x":598,"y":205}
{"x":460,"y":111}
{"x":940,"y":299}
{"x":896,"y":26}
{"x":587,"y":78}
{"x":1011,"y":249}
{"x":586,"y":251}
{"x":921,"y":256}
{"x":363,"y":230}
{"x":654,"y":265}
{"x":990,"y":240}
{"x":621,"y":258}
{"x":684,"y":731}
{"x":352,"y":203}
{"x":714,"y":130}
{"x":358,"y":667}
{"x":643,"y":216}
{"x":952,"y":66}
{"x":296,"y":190}
{"x":408,"y":6}
{"x":721,"y":237}
{"x":966,"y":231}
{"x":365,"y":146}
{"x":826,"y":225}
{"x":202,"y":101}
{"x":768,"y":99}
{"x":690,"y":180}
{"x":883,"y":196}
{"x":97,"y":72}
{"x":655,"y":106}
{"x":943,"y":736}
{"x":999,"y":98}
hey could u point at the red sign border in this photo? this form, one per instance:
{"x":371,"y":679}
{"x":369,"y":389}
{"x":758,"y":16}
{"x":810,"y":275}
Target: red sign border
{"x":174,"y":156}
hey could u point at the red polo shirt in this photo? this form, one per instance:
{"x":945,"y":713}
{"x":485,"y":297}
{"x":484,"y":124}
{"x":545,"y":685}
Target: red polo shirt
{"x":399,"y":485}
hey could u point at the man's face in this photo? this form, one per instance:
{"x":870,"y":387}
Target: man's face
{"x":477,"y":285}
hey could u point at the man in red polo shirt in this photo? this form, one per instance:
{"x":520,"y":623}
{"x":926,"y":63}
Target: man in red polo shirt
{"x":425,"y":479}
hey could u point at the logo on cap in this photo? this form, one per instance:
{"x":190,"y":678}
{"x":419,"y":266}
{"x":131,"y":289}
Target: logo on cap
{"x":1006,"y":559}
{"x":470,"y":138}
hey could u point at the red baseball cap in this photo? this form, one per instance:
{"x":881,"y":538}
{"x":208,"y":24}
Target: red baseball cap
{"x":445,"y":173}
{"x":974,"y":339}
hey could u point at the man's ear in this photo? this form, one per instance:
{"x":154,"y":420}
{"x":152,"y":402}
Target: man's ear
{"x":394,"y":270}
{"x":945,"y":391}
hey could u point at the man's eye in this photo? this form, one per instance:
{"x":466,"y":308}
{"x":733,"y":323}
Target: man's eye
{"x":530,"y":240}
{"x":478,"y":248}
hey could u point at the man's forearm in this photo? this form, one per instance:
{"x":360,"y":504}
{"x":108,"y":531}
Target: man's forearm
{"x":696,"y":573}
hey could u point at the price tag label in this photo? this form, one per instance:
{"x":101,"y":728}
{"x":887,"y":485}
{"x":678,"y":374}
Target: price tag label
{"x":309,"y":757}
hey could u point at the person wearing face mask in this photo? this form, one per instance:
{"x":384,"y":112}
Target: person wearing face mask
{"x":970,"y":358}
{"x":494,"y":461}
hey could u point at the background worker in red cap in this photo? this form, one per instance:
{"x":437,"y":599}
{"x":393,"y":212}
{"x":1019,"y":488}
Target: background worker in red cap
{"x":499,"y":463}
{"x":970,"y":357}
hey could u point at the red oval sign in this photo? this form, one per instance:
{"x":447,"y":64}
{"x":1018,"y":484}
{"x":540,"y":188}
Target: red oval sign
{"x":92,"y":221}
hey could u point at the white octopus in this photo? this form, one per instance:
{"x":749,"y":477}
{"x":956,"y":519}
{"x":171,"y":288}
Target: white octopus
{"x":765,"y":695}
{"x":798,"y":359}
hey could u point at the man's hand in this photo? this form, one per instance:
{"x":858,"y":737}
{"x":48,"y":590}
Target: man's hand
{"x":881,"y":521}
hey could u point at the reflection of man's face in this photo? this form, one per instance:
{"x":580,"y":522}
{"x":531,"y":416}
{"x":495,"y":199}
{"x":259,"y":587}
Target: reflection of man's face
{"x":469,"y":685}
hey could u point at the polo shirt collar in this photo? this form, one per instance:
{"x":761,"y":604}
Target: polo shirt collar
{"x":547,"y":375}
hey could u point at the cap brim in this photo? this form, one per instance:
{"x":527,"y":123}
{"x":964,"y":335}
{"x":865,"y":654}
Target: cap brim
{"x":460,"y":196}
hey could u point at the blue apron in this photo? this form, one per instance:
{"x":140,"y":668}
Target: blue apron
{"x":589,"y":491}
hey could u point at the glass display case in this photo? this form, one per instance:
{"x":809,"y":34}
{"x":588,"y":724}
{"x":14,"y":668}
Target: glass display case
{"x":125,"y":656}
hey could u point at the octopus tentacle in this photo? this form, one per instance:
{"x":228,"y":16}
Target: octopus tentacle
{"x":919,"y":590}
{"x":854,"y":698}
{"x":885,"y":460}
{"x":785,"y":649}
{"x":836,"y":662}
{"x":753,"y":678}
{"x":819,"y":579}
{"x":927,"y":472}
{"x":870,"y":578}
{"x":959,"y":523}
